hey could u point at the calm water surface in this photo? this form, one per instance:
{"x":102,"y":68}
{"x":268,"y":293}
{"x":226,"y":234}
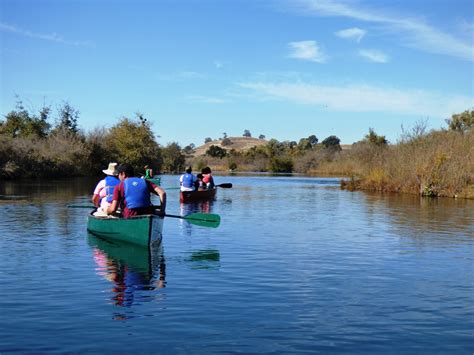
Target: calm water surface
{"x":297,"y":266}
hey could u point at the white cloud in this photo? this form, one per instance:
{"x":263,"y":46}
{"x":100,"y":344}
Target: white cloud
{"x":414,"y":32}
{"x":374,"y":56}
{"x":363,"y":98}
{"x":307,"y":50}
{"x":52,"y":37}
{"x":351,"y":33}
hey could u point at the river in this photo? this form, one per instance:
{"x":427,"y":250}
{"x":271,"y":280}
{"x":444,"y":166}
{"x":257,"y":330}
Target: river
{"x":296,"y":266}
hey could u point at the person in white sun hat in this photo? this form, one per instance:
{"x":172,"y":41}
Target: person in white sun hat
{"x":103,"y":192}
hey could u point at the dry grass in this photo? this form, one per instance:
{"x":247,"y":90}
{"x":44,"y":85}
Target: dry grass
{"x":440,"y":163}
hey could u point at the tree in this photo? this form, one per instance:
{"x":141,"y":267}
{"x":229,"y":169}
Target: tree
{"x":313,"y":140}
{"x":189,"y":149}
{"x":21,"y":123}
{"x":207,"y":140}
{"x":132,"y":141}
{"x":304,"y":145}
{"x":262,"y":136}
{"x":461,"y":122}
{"x":281,"y":165}
{"x":374,"y":138}
{"x":331,"y":142}
{"x":247,"y":133}
{"x":67,"y":118}
{"x":173,"y":159}
{"x":216,"y":151}
{"x":224,"y":135}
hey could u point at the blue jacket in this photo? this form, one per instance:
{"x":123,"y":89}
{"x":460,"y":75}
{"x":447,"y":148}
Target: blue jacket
{"x":136,"y":193}
{"x":110,"y":183}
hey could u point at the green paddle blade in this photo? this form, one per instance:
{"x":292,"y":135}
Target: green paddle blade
{"x":200,"y":219}
{"x":204,"y":219}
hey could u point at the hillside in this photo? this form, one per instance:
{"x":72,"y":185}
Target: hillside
{"x":238,"y":143}
{"x":241,"y":144}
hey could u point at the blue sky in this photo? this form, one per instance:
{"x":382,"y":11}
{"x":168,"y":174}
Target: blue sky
{"x":286,"y":69}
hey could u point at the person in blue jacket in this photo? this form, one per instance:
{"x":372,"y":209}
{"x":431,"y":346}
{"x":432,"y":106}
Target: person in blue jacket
{"x":133,"y":194}
{"x":188,"y":181}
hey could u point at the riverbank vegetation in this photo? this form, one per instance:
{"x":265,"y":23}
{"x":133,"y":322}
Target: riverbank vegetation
{"x":49,"y":143}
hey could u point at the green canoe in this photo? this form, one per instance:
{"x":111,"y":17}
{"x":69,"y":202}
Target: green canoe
{"x":141,"y":230}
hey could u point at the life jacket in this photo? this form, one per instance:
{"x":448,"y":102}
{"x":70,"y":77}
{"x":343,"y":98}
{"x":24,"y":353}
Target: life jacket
{"x":110,"y":183}
{"x":136,"y":193}
{"x":188,"y":180}
{"x":208,"y":180}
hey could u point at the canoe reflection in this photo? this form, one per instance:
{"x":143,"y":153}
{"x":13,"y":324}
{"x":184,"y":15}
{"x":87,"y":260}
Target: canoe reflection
{"x":132,"y":269}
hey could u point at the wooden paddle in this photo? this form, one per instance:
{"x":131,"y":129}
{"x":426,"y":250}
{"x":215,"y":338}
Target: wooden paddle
{"x":200,"y":219}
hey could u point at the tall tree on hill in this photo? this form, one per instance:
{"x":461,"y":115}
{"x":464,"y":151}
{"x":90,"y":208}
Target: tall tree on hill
{"x":247,"y":133}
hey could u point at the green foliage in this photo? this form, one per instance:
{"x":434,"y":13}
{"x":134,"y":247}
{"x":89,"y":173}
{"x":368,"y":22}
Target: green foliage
{"x":207,"y":140}
{"x":274,"y":148}
{"x":216,"y":151}
{"x":281,"y":165}
{"x":313,"y":140}
{"x":304,"y":145}
{"x":331,"y":142}
{"x":133,"y":142}
{"x":247,"y":133}
{"x":262,"y":136}
{"x":232,"y":164}
{"x":189,"y":149}
{"x":461,"y":122}
{"x":67,"y":118}
{"x":21,"y":123}
{"x":173,"y":159}
{"x":374,"y":138}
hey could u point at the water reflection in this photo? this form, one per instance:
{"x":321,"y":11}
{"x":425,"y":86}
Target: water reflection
{"x":131,"y":269}
{"x":193,"y":207}
{"x":204,"y":259}
{"x":414,"y":216}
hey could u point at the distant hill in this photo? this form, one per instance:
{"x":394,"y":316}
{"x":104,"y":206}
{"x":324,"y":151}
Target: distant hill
{"x":241,"y":144}
{"x":238,"y":143}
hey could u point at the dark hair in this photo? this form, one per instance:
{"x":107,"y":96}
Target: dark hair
{"x":127,"y":169}
{"x":199,"y":176}
{"x":189,"y":170}
{"x":206,"y":170}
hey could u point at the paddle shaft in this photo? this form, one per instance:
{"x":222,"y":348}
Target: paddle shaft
{"x":226,"y":185}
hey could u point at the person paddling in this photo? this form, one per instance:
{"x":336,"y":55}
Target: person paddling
{"x":188,"y":181}
{"x":133,"y":194}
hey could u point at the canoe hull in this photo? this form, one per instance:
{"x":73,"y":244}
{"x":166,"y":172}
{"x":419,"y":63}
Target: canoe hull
{"x":140,"y":230}
{"x":155,"y":180}
{"x":192,"y":196}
